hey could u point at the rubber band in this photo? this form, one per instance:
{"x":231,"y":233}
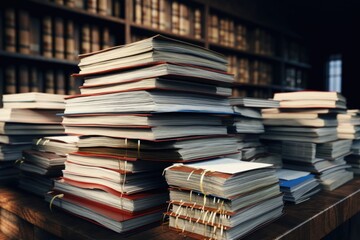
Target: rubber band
{"x":19,"y":161}
{"x":188,"y":178}
{"x":138,"y":149}
{"x":38,"y":141}
{"x":53,"y":198}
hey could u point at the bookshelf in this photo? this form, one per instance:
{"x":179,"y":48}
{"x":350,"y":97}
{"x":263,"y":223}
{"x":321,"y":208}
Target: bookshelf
{"x":45,"y":36}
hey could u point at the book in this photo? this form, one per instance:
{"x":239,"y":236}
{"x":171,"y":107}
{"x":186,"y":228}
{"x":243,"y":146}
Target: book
{"x":313,"y":95}
{"x":318,"y":122}
{"x":11,"y":152}
{"x":257,"y":175}
{"x":9,"y":128}
{"x":10,"y":30}
{"x":42,"y":163}
{"x":158,"y":83}
{"x":24,"y":31}
{"x":70,"y":40}
{"x":10,"y":79}
{"x":146,"y":101}
{"x":95,"y":38}
{"x":23,"y":79}
{"x":47,"y":36}
{"x":175,"y":71}
{"x":29,"y":116}
{"x":60,"y":145}
{"x":34,"y":100}
{"x":104,"y":215}
{"x":154,"y":49}
{"x":137,"y":120}
{"x":85,"y":39}
{"x":253,"y":102}
{"x":313,"y":103}
{"x":131,"y":204}
{"x":156,"y":133}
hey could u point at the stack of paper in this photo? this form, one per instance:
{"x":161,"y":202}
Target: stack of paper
{"x":248,"y":125}
{"x":297,"y":186}
{"x":26,"y":116}
{"x":223,"y":198}
{"x":141,"y":107}
{"x":349,"y":124}
{"x":354,"y":158}
{"x":306,"y":123}
{"x":45,"y":162}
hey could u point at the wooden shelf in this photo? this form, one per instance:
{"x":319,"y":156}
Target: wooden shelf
{"x":233,"y":50}
{"x":29,"y":58}
{"x":75,"y":12}
{"x":154,"y":31}
{"x":297,"y":64}
{"x":312,"y":219}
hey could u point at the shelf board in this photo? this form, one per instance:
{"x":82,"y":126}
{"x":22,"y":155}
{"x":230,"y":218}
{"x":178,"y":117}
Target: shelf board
{"x":77,"y":12}
{"x":136,"y":26}
{"x":217,"y":46}
{"x":286,"y":88}
{"x":29,"y":58}
{"x":297,"y":64}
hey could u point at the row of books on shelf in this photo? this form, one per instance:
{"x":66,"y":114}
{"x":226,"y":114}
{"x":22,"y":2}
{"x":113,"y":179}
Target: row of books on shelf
{"x":253,"y":93}
{"x":295,"y":78}
{"x":24,"y":78}
{"x":296,"y":52}
{"x":181,"y":18}
{"x":102,"y":7}
{"x":50,"y":36}
{"x":250,"y":72}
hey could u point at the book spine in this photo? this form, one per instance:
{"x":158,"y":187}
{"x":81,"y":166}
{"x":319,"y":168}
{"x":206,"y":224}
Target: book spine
{"x":155,"y":13}
{"x":231,"y":33}
{"x":146,"y":12}
{"x":49,"y":81}
{"x":24,"y":32}
{"x":163,"y":19}
{"x":72,"y":89}
{"x":23,"y":79}
{"x":102,"y":7}
{"x":175,"y":27}
{"x":222,"y":32}
{"x":95,"y":39}
{"x":138,"y":12}
{"x":214,"y":29}
{"x":35,"y":36}
{"x":70,"y":41}
{"x":91,"y":6}
{"x":10,"y":79}
{"x":59,"y":39}
{"x":70,"y":3}
{"x":197,"y":24}
{"x":85,"y":42}
{"x":105,"y":38}
{"x":10,"y":30}
{"x":34,"y":80}
{"x":255,"y":71}
{"x":184,"y":28}
{"x":77,"y":40}
{"x":244,"y":73}
{"x":60,"y":81}
{"x":2,"y":33}
{"x":117,"y":8}
{"x":79,"y":4}
{"x":47,"y":37}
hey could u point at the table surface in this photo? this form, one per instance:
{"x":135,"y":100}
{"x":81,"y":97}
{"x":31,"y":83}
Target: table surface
{"x":312,"y":219}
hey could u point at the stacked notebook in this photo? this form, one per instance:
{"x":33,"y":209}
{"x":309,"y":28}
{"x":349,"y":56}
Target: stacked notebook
{"x":354,"y":158}
{"x":26,"y":116}
{"x":297,"y":186}
{"x":349,"y":124}
{"x":45,"y":162}
{"x":247,"y":126}
{"x":223,"y":198}
{"x":306,"y":123}
{"x":142,"y":106}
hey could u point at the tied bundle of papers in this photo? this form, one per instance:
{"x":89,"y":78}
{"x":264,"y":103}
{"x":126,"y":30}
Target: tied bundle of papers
{"x":26,"y":116}
{"x":45,"y":162}
{"x":306,"y":123}
{"x":297,"y":186}
{"x":223,"y":198}
{"x":141,"y":107}
{"x":247,"y":126}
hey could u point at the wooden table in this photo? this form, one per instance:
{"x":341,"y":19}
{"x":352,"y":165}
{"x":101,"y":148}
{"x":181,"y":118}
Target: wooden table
{"x":24,"y":216}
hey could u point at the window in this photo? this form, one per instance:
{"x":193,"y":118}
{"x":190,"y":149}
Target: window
{"x":334,"y":73}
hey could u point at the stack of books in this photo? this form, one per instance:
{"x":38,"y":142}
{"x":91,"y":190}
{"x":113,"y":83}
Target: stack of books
{"x":354,"y":158}
{"x":45,"y":162}
{"x":26,"y":116}
{"x":349,"y":124}
{"x":141,"y":106}
{"x":306,"y":123}
{"x":223,"y":198}
{"x":248,"y":126}
{"x":297,"y":186}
